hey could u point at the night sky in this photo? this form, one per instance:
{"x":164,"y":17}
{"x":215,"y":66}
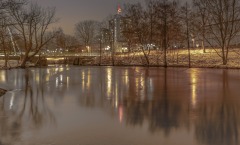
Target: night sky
{"x":72,"y":11}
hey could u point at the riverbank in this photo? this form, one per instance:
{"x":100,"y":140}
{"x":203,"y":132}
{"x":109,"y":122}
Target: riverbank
{"x":175,"y":58}
{"x":2,"y":92}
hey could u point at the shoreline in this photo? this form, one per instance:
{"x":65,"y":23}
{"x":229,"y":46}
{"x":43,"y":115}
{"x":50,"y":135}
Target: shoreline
{"x":132,"y":65}
{"x":175,"y":58}
{"x":2,"y":92}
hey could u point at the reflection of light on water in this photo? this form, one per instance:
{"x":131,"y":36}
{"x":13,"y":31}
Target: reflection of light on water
{"x":109,"y":82}
{"x":120,"y":113}
{"x":137,"y":69}
{"x":47,"y":78}
{"x":37,"y":78}
{"x":61,"y":78}
{"x":142,"y":88}
{"x":11,"y":101}
{"x":83,"y":80}
{"x":194,"y":88}
{"x":116,"y":102}
{"x":140,"y":81}
{"x":137,"y":82}
{"x":126,"y":77}
{"x":116,"y":96}
{"x":61,"y":69}
{"x":88,"y":79}
{"x":67,"y":81}
{"x":56,"y":82}
{"x":3,"y":77}
{"x":151,"y":88}
{"x":194,"y":99}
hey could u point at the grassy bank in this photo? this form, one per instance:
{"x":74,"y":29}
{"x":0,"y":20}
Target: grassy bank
{"x":175,"y":58}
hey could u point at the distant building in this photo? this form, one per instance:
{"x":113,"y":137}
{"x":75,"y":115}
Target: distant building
{"x":116,"y":28}
{"x":105,"y":39}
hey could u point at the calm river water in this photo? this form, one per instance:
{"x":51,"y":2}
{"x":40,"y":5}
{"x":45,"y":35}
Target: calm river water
{"x":120,"y":106}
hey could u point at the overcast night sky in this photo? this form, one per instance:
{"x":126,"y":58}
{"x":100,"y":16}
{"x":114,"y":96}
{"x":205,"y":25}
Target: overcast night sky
{"x":72,"y":11}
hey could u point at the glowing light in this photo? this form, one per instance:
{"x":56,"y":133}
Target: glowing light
{"x":107,"y":48}
{"x":55,"y":59}
{"x":119,"y":9}
{"x":88,"y":48}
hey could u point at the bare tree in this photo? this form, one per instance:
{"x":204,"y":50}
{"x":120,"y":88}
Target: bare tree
{"x":4,"y":37}
{"x":186,"y":17}
{"x":223,"y":25}
{"x":202,"y":19}
{"x":31,"y":23}
{"x":139,"y":29}
{"x":71,"y":43}
{"x":86,"y":31}
{"x":60,"y":39}
{"x":5,"y":41}
{"x":158,"y":24}
{"x":168,"y":24}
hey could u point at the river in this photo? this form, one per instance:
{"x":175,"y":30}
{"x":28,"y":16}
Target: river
{"x":67,"y":105}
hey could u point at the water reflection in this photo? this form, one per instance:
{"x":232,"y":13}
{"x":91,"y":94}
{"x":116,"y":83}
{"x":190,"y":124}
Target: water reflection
{"x":14,"y":110}
{"x":194,"y":88}
{"x":109,"y":81}
{"x":219,"y":120}
{"x":203,"y":103}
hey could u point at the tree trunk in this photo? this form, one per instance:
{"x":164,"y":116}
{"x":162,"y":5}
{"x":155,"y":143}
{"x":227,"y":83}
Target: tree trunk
{"x":165,"y":38}
{"x":24,"y":61}
{"x":146,"y":57}
{"x":203,"y":41}
{"x":203,"y":47}
{"x":224,"y":56}
{"x":224,"y":59}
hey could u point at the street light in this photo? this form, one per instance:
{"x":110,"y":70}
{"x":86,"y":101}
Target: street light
{"x":193,"y":41}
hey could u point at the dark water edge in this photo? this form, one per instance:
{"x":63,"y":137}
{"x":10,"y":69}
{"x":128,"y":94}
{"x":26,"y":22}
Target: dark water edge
{"x":2,"y":92}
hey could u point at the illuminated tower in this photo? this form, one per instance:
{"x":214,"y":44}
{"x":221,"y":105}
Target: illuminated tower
{"x":116,"y":30}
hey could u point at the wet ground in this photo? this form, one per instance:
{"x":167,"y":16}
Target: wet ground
{"x":119,"y":106}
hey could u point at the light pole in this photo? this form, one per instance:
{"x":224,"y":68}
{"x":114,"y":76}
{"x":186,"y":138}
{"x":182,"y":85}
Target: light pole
{"x":193,"y":42}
